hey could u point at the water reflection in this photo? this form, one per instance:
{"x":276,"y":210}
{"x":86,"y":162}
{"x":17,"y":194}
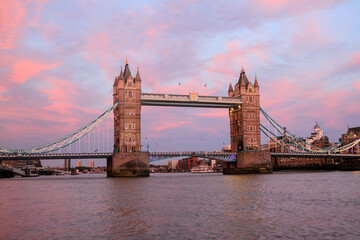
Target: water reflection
{"x":182,"y":206}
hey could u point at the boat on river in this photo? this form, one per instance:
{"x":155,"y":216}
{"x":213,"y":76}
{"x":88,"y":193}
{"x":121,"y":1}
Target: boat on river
{"x":202,"y":169}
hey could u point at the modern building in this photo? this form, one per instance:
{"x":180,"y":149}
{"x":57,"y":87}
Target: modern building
{"x":67,"y":164}
{"x":91,"y":164}
{"x":172,"y":164}
{"x":78,"y":163}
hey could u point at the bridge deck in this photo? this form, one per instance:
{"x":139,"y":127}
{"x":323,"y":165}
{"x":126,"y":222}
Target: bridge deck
{"x":160,"y":155}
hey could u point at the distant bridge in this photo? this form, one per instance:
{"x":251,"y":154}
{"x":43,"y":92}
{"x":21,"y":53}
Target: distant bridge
{"x":224,"y":156}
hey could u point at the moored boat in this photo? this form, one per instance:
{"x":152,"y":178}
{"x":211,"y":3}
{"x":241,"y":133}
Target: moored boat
{"x":202,"y":169}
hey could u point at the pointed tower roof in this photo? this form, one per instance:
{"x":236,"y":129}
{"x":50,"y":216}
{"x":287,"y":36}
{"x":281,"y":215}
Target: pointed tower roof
{"x":243,"y":79}
{"x":137,"y":78}
{"x":116,"y":80}
{"x":256,"y":84}
{"x":121,"y":76}
{"x":127,"y":72}
{"x":316,"y":126}
{"x":230,"y":88}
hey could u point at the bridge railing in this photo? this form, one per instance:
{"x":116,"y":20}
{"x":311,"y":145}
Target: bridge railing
{"x":187,"y":98}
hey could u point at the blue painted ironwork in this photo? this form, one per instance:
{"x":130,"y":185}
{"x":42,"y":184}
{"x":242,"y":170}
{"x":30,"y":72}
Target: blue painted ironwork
{"x":63,"y":142}
{"x":337,"y":148}
{"x":224,"y":156}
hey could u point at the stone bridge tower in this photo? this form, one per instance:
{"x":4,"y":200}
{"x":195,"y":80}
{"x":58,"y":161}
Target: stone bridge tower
{"x":127,"y":160}
{"x":245,"y":129}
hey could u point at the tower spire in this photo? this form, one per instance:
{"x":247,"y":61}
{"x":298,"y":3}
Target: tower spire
{"x":138,"y":78}
{"x":230,"y":88}
{"x":256,"y":84}
{"x":121,"y":75}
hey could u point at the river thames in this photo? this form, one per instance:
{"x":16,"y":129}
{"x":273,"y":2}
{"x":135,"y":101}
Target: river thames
{"x":283,"y":205}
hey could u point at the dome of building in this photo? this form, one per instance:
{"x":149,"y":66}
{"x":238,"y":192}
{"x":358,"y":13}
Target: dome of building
{"x":317,"y":127}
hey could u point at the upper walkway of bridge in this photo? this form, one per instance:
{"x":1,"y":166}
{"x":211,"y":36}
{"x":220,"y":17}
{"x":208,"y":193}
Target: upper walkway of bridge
{"x":191,"y":100}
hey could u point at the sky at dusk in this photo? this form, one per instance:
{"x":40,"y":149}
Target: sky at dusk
{"x":58,"y":61}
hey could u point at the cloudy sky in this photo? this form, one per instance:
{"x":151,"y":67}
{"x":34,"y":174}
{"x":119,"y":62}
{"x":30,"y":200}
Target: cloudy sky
{"x":58,"y":60}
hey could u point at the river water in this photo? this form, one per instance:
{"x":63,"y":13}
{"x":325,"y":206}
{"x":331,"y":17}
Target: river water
{"x":285,"y":205}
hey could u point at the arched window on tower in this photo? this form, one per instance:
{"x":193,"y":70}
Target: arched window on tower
{"x":133,"y":139}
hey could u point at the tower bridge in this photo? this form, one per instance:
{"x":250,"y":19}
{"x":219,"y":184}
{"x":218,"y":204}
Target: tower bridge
{"x":243,"y":104}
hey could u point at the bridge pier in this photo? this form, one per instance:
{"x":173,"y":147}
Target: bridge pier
{"x":249,"y":162}
{"x":128,"y":164}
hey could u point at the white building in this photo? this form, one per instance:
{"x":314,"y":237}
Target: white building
{"x":316,"y":135}
{"x":172,"y":164}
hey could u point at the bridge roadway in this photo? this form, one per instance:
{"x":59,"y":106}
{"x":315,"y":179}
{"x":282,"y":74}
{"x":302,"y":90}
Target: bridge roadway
{"x":191,"y":100}
{"x":314,"y":155}
{"x":155,"y":155}
{"x":226,"y":156}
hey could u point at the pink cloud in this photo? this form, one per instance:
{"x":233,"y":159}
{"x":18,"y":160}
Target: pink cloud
{"x":356,"y":85}
{"x":214,"y":113}
{"x":310,"y":33}
{"x":165,"y":125}
{"x":288,"y":6}
{"x":12,"y":14}
{"x":12,"y":19}
{"x":353,"y":62}
{"x":26,"y":69}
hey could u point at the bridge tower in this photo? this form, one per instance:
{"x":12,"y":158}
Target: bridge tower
{"x":245,"y":129}
{"x":127,"y":159}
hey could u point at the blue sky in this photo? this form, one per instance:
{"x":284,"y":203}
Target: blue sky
{"x":58,"y":60}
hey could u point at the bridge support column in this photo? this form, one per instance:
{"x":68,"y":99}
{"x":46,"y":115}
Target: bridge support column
{"x":128,"y":164}
{"x":250,"y":162}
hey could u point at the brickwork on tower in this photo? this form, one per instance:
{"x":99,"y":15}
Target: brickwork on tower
{"x":127,"y":159}
{"x":127,"y":129}
{"x":245,"y":119}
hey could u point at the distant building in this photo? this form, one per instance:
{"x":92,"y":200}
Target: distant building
{"x":316,"y":135}
{"x":351,"y":135}
{"x":227,"y":148}
{"x":317,"y":139}
{"x":172,"y":164}
{"x":78,"y":163}
{"x":67,"y":164}
{"x":91,"y":164}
